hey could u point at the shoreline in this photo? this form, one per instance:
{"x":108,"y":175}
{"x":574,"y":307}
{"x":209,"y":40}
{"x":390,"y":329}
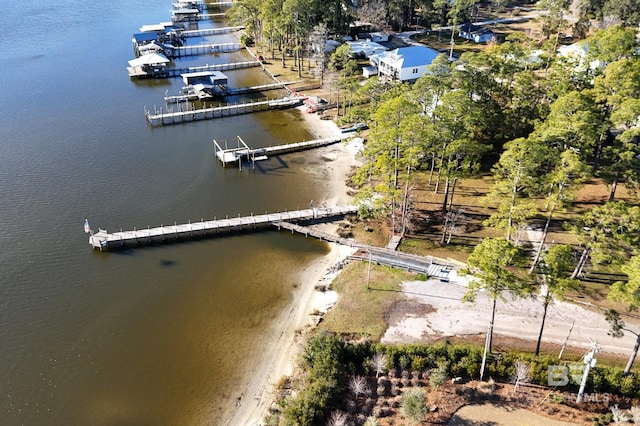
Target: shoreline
{"x":283,"y":342}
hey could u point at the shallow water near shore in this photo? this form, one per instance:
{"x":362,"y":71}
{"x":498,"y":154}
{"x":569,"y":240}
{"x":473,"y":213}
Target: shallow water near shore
{"x":157,"y":335}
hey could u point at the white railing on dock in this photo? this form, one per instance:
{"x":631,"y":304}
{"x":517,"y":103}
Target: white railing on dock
{"x":200,"y":49}
{"x":222,"y":67}
{"x":187,"y":111}
{"x":103,"y":239}
{"x":211,"y":31}
{"x":192,"y":95}
{"x":241,"y":151}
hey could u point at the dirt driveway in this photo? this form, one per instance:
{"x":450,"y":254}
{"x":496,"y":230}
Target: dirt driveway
{"x":435,"y":310}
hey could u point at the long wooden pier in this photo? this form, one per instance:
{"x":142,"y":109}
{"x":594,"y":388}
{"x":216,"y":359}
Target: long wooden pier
{"x":200,"y":49}
{"x":192,"y":95}
{"x":241,"y":151}
{"x":221,"y":67}
{"x":211,"y":31}
{"x":187,"y":112}
{"x":105,"y":240}
{"x":192,"y":15}
{"x":176,"y":72}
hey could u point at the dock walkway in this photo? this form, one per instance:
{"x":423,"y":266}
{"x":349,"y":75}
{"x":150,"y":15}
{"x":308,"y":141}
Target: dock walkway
{"x":200,"y":49}
{"x":307,"y":231}
{"x":427,"y":265}
{"x":187,"y":112}
{"x":242,"y":151}
{"x":193,"y":95}
{"x":137,"y":72}
{"x":211,"y":31}
{"x":103,"y":239}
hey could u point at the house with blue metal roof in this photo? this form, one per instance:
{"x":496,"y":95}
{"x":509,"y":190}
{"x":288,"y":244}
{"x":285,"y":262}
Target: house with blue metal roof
{"x":406,"y":63}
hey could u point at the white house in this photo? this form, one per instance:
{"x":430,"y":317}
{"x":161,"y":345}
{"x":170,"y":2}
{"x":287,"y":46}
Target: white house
{"x":576,"y":54}
{"x":365,"y":49}
{"x":476,"y":33}
{"x":406,"y":63}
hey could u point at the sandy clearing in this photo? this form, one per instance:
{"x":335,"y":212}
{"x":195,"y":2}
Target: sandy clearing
{"x":518,"y":318}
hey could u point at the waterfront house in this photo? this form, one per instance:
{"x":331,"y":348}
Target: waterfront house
{"x":406,"y":63}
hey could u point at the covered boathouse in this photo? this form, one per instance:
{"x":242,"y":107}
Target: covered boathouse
{"x":152,"y":65}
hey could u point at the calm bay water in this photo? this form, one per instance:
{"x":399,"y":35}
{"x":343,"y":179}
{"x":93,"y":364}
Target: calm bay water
{"x":145,"y":336}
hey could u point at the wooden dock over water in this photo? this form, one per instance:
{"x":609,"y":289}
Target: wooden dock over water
{"x":104,"y":240}
{"x":200,"y":49}
{"x":241,"y":151}
{"x":211,"y":31}
{"x":176,"y":72}
{"x":186,"y":112}
{"x":428,"y":265}
{"x":192,"y":95}
{"x":220,"y":67}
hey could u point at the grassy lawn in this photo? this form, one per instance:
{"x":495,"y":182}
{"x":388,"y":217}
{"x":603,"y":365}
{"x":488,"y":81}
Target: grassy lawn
{"x":361,"y":311}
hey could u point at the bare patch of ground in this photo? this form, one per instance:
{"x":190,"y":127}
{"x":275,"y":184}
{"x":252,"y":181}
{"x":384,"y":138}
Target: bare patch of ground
{"x":516,"y":318}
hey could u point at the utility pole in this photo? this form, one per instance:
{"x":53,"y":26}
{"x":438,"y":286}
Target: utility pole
{"x":369,"y":272}
{"x":590,"y":362}
{"x":564,"y":344}
{"x":487,"y":348}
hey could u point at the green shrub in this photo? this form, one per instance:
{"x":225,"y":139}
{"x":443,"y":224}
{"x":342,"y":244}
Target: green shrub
{"x":419,"y":363}
{"x":310,"y":404}
{"x":439,"y":375}
{"x":246,"y":40}
{"x":414,"y":405}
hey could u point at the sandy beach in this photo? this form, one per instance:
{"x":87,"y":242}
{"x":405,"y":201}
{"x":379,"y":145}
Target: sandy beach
{"x":282,"y":343}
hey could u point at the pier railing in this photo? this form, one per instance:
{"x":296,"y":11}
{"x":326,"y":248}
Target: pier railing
{"x":103,"y":239}
{"x":200,"y":49}
{"x":241,"y":151}
{"x":211,"y":31}
{"x":187,"y":112}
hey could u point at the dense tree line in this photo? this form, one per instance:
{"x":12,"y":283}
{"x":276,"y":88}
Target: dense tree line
{"x":551,"y":122}
{"x":287,"y":24}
